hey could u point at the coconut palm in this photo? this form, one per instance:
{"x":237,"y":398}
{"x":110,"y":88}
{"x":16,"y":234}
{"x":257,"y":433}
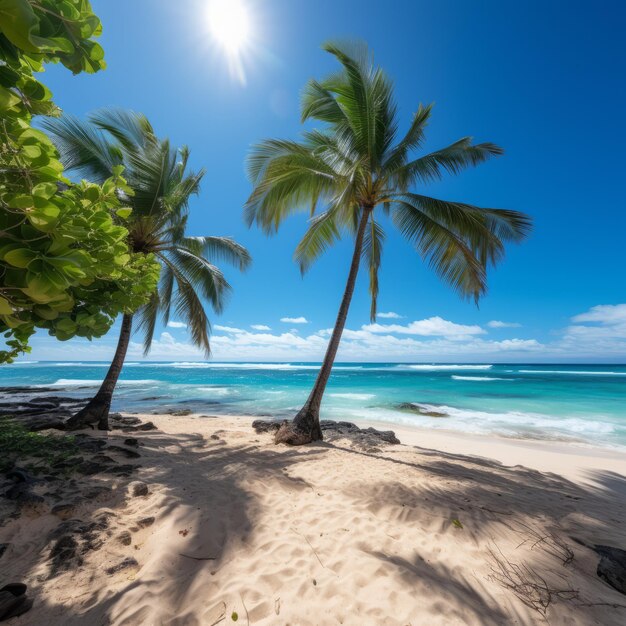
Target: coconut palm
{"x":161,"y":188}
{"x":361,"y":174}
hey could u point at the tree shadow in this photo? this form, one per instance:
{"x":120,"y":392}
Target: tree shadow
{"x":536,"y":518}
{"x":205,"y":533}
{"x":207,"y":501}
{"x":462,"y":600}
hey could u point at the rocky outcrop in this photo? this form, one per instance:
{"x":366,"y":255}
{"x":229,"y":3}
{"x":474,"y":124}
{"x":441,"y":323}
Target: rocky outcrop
{"x":420,"y":409}
{"x":71,"y":540}
{"x":367,"y":439}
{"x":612,"y":567}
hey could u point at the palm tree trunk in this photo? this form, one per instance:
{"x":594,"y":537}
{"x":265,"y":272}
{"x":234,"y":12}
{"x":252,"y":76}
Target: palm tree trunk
{"x":306,"y":424}
{"x":97,"y":410}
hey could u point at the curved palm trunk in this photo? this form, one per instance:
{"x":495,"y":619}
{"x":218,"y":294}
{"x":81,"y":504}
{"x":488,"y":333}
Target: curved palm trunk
{"x":306,"y":424}
{"x":97,"y":410}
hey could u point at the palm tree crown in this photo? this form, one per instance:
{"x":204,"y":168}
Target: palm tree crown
{"x":159,"y":190}
{"x":356,"y":164}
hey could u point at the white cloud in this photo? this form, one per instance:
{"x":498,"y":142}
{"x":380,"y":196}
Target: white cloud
{"x":166,"y":348}
{"x":599,"y":331}
{"x":260,"y":327}
{"x":598,"y":334}
{"x":608,"y":314}
{"x":389,"y":316}
{"x":172,"y":324}
{"x":294,"y":320}
{"x":431,"y":327}
{"x":499,"y":324}
{"x":228,"y":329}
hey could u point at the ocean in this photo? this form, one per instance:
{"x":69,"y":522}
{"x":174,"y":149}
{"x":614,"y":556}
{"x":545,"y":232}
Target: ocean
{"x":577,"y":403}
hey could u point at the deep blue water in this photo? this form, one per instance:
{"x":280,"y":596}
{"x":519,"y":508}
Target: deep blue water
{"x":563,"y":402}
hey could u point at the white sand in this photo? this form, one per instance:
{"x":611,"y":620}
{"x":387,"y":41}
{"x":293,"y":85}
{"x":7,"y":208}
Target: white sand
{"x":328,"y":534}
{"x":574,"y":461}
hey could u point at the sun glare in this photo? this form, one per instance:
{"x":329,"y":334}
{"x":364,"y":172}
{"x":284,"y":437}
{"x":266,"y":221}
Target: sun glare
{"x":229,"y":21}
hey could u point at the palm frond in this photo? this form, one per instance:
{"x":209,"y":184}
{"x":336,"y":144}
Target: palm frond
{"x":132,"y":130}
{"x":446,"y":252}
{"x":411,"y":141}
{"x":289,"y":177}
{"x":147,"y":320}
{"x":84,"y":149}
{"x":188,"y":307}
{"x":365,"y":95}
{"x":166,"y":289}
{"x":205,"y":278}
{"x":319,"y":103}
{"x":485,"y":230}
{"x":148,"y":174}
{"x":321,"y":234}
{"x":453,"y":159}
{"x":373,"y":241}
{"x":219,"y":249}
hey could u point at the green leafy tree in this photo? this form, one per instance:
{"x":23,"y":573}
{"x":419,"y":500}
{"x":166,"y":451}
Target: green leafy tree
{"x":65,"y":262}
{"x":358,"y":169}
{"x":161,"y":188}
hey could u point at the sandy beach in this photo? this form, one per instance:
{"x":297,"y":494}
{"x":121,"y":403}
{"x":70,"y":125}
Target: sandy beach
{"x":218,"y":525}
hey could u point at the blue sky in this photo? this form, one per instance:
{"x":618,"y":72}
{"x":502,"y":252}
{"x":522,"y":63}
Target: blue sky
{"x":543,"y":80}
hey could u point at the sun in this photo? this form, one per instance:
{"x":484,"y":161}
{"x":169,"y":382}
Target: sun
{"x":229,"y":22}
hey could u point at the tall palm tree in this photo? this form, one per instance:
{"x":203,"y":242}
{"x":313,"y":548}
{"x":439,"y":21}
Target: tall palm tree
{"x":161,"y":187}
{"x":357,"y":169}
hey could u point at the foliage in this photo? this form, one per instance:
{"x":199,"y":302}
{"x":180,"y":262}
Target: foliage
{"x":65,"y":263}
{"x":357,"y":167}
{"x":36,"y":451}
{"x":161,"y":188}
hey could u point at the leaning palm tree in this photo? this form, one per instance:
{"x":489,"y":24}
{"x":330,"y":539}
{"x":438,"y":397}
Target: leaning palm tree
{"x":161,"y":189}
{"x":360,"y":173}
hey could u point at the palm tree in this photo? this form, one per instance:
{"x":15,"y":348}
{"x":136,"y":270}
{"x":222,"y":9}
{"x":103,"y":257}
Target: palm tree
{"x":161,"y":188}
{"x":360,"y":173}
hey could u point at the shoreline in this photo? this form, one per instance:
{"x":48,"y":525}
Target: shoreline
{"x":573,"y":460}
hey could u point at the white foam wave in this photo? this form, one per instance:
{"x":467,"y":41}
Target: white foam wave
{"x":512,"y":424}
{"x":78,"y":382}
{"x":80,"y":364}
{"x":573,"y":372}
{"x":353,"y":396}
{"x":436,"y":368}
{"x":480,"y":378}
{"x":218,"y":391}
{"x":244,"y":366}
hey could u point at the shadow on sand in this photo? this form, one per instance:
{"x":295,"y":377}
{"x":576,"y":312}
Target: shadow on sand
{"x":204,"y":489}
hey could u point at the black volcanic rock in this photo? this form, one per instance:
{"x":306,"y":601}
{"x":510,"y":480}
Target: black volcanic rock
{"x":367,"y":439}
{"x":612,"y":567}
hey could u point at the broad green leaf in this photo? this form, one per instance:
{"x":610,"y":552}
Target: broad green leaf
{"x":5,"y":307}
{"x":66,"y":325}
{"x":45,"y":190}
{"x":7,"y":98}
{"x":31,"y":152}
{"x":21,"y":257}
{"x":21,"y":202}
{"x":122,"y":259}
{"x":18,"y":21}
{"x":46,"y":312}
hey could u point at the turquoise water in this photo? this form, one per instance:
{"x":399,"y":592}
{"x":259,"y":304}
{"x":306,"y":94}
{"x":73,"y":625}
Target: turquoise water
{"x":584,"y":403}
